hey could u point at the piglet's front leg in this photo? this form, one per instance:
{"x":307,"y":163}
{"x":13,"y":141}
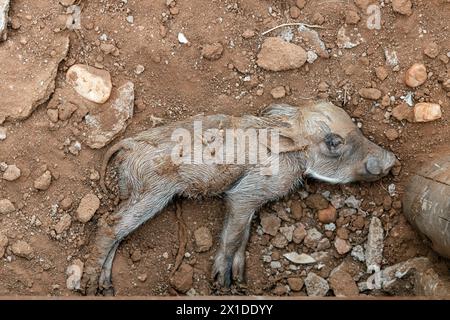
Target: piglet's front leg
{"x":243,"y":200}
{"x":229,"y":263}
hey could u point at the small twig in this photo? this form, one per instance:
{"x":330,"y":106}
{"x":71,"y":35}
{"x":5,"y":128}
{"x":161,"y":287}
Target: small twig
{"x":293,"y":24}
{"x":182,"y":238}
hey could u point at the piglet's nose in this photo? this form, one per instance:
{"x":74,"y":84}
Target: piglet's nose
{"x":373,"y":166}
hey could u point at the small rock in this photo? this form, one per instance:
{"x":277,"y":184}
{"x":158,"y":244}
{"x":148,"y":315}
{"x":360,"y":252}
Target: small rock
{"x":358,"y":222}
{"x":66,"y":203}
{"x":130,"y":19}
{"x":327,"y":215}
{"x":374,"y":246}
{"x":431,"y":49}
{"x":362,"y":4}
{"x":278,"y":55}
{"x":52,"y":115}
{"x":391,"y":134}
{"x":358,"y":253}
{"x":385,"y":101}
{"x":311,"y":56}
{"x":182,"y":279}
{"x":294,"y":12}
{"x":3,"y":133}
{"x":270,"y":224}
{"x":109,"y":48}
{"x":316,"y":286}
{"x":4,"y":9}
{"x":342,"y":246}
{"x":296,"y":284}
{"x":66,"y":110}
{"x":212,"y":51}
{"x":142,"y":277}
{"x":351,"y":17}
{"x":136,"y":256}
{"x":391,"y":58}
{"x":299,"y":234}
{"x":203,"y":239}
{"x":324,"y":243}
{"x":370,"y":93}
{"x":241,"y":63}
{"x":300,"y":3}
{"x":94,"y":175}
{"x":248,"y":33}
{"x":323,"y":86}
{"x":280,"y":290}
{"x":278,"y":92}
{"x":446,"y":85}
{"x":416,"y":75}
{"x":174,"y":11}
{"x":318,"y":18}
{"x":182,"y":38}
{"x":342,"y":283}
{"x":67,"y":3}
{"x":22,"y":249}
{"x":139,"y":69}
{"x":444,"y":59}
{"x":6,"y":206}
{"x":87,"y":208}
{"x":296,"y":210}
{"x":299,"y":258}
{"x":402,"y":6}
{"x":75,"y":148}
{"x":288,"y":232}
{"x":3,"y":244}
{"x":342,"y":233}
{"x":279,"y":241}
{"x":317,"y":201}
{"x":43,"y":182}
{"x":74,"y":273}
{"x":381,"y":73}
{"x":330,"y":227}
{"x":312,"y":238}
{"x":424,"y":112}
{"x":344,"y":41}
{"x":337,"y":201}
{"x":275,"y":264}
{"x":397,"y":204}
{"x":63,"y":223}
{"x":11,"y":173}
{"x":403,"y":112}
{"x":90,"y":83}
{"x":352,"y":202}
{"x":112,"y":119}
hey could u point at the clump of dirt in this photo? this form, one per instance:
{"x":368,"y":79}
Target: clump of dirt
{"x":189,"y":57}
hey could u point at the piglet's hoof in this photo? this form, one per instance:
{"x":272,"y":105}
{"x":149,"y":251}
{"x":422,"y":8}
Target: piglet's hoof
{"x":222,"y":272}
{"x":107,"y":292}
{"x":89,"y":282}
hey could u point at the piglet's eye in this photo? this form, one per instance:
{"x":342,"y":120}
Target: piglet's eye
{"x":333,"y":141}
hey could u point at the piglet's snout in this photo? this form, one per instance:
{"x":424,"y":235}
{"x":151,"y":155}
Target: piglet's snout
{"x":380,"y":166}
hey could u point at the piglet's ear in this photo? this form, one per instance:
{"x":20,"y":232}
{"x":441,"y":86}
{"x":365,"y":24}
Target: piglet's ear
{"x":285,"y":139}
{"x":291,"y":139}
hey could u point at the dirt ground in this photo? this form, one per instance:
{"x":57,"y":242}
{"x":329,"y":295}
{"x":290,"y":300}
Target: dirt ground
{"x":178,"y":82}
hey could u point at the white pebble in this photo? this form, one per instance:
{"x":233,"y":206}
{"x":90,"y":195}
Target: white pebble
{"x":2,"y":133}
{"x":182,"y":38}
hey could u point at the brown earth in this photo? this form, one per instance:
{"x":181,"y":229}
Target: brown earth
{"x":177,"y":83}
